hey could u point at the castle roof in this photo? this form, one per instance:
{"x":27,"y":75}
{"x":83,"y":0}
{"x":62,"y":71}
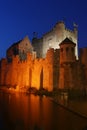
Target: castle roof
{"x":14,"y":44}
{"x":18,"y":42}
{"x":67,"y":41}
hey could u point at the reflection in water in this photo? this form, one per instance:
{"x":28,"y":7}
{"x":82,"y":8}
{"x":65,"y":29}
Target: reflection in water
{"x":21,"y":112}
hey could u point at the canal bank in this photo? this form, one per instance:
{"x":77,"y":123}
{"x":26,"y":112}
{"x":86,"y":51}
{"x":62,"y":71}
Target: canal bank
{"x":77,"y":107}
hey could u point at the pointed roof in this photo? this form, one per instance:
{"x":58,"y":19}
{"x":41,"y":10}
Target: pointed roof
{"x":19,"y":42}
{"x":67,"y":41}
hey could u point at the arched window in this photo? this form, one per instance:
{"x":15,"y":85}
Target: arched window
{"x":23,"y":51}
{"x":67,"y":49}
{"x":15,"y":51}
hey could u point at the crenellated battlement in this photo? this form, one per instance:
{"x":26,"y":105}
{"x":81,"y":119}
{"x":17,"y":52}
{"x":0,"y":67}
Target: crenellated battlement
{"x":53,"y":65}
{"x":53,"y":38}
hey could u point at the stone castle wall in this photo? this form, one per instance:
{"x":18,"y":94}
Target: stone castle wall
{"x":48,"y":73}
{"x":56,"y":65}
{"x":36,"y":73}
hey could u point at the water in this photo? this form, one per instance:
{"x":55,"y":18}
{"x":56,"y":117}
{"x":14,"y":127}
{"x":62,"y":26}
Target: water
{"x":29,"y":112}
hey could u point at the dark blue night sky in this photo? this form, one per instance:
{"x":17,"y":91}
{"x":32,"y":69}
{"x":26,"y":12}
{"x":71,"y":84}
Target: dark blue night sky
{"x":19,"y":18}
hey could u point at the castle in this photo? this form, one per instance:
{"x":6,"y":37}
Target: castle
{"x":50,"y":62}
{"x":53,"y":38}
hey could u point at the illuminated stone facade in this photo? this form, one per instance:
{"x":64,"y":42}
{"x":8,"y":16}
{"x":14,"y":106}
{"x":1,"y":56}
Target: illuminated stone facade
{"x":59,"y":69}
{"x":31,"y":72}
{"x":20,"y":48}
{"x":53,"y":38}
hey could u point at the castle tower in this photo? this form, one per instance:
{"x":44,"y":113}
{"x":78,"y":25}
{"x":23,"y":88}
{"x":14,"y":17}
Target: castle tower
{"x":67,"y":51}
{"x":67,"y":58}
{"x":54,"y":37}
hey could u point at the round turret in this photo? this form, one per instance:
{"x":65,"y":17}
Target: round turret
{"x":60,"y":25}
{"x":67,"y":51}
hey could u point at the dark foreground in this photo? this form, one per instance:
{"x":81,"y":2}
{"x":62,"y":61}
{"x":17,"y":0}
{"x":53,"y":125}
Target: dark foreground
{"x":29,"y":112}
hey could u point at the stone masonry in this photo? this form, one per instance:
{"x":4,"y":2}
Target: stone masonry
{"x":59,"y":69}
